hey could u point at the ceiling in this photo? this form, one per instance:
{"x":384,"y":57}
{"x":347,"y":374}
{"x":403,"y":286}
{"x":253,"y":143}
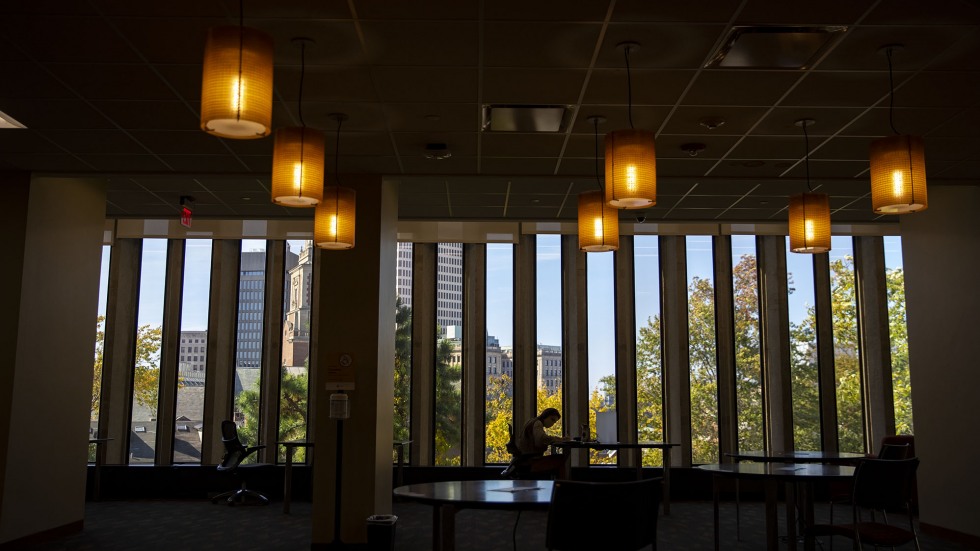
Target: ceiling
{"x":111,"y":88}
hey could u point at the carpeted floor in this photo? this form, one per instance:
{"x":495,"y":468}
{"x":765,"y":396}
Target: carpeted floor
{"x":199,"y":525}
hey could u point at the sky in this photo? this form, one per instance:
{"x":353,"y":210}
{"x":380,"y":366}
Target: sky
{"x":500,"y":285}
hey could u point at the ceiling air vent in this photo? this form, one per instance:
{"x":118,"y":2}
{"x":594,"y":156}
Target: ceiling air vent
{"x":525,"y":118}
{"x":766,"y":47}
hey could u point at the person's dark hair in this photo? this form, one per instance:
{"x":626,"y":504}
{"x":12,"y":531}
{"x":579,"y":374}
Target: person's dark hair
{"x":548,"y":412}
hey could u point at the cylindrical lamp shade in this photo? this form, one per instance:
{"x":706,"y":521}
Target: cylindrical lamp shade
{"x":631,"y":169}
{"x":236,"y":90}
{"x":809,"y":223}
{"x":898,"y":175}
{"x":297,"y":167}
{"x":598,"y":224}
{"x":333,"y":225}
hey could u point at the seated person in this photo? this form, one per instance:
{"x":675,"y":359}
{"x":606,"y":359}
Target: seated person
{"x":532,"y":443}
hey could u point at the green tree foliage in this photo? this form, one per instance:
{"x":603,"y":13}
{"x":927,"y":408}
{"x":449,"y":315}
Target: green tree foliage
{"x":649,"y":389}
{"x":293,"y":411}
{"x":448,"y":408}
{"x":901,"y":383}
{"x":403,"y":371}
{"x":704,"y":370}
{"x":146,"y":375}
{"x":748,"y":359}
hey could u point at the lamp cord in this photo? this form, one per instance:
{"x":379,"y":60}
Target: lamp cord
{"x":806,"y":155}
{"x":241,"y":53}
{"x":629,"y":86}
{"x":891,"y":92}
{"x":336,"y":169}
{"x":302,"y":76}
{"x":595,"y":123}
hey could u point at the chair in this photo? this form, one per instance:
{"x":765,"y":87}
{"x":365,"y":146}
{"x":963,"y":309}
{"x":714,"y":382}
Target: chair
{"x":890,"y":449}
{"x":603,"y":515}
{"x":235,"y":453}
{"x":880,"y":486}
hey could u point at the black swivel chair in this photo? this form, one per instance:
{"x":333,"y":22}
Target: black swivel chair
{"x":880,"y":486}
{"x":235,"y":454}
{"x":603,"y":515}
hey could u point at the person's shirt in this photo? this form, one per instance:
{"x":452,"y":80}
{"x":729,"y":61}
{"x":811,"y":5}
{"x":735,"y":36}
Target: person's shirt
{"x":533,"y":439}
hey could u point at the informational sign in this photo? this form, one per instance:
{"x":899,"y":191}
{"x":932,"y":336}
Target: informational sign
{"x":340,"y":376}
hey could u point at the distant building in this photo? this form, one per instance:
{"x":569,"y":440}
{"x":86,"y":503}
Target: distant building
{"x":299,"y":295}
{"x":500,"y":360}
{"x":251,"y":306}
{"x":403,"y":284}
{"x":193,"y":356}
{"x":549,"y":367}
{"x":449,"y":282}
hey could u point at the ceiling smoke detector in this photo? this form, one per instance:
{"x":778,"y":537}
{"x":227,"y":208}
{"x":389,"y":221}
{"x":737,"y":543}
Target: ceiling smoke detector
{"x":437,"y":151}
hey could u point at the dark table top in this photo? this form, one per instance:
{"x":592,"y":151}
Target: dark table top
{"x":612,"y":445}
{"x":482,"y":494}
{"x":781,"y":471}
{"x":799,"y":456}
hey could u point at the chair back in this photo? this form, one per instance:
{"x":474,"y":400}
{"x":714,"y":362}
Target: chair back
{"x":603,"y":515}
{"x":899,"y":439}
{"x":884,"y":484}
{"x":235,"y":451}
{"x":894,"y":451}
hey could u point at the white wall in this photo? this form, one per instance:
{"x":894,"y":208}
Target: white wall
{"x":44,"y":479}
{"x":941,"y":253}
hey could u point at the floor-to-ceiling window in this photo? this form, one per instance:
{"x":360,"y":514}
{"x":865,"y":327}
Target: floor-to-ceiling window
{"x":702,"y":348}
{"x":803,"y":350}
{"x":748,"y":343}
{"x":146,"y":367}
{"x":401,"y":429}
{"x":602,"y":347}
{"x":898,"y":334}
{"x":248,"y":342}
{"x":297,"y":308}
{"x":499,"y":367}
{"x":449,"y":353}
{"x":99,"y":349}
{"x":649,"y":357}
{"x":192,"y":354}
{"x":549,"y":355}
{"x":847,"y":361}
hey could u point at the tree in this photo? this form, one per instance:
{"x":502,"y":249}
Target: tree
{"x":146,"y":374}
{"x":293,"y":410}
{"x":403,"y":371}
{"x":898,"y":330}
{"x":448,"y":409}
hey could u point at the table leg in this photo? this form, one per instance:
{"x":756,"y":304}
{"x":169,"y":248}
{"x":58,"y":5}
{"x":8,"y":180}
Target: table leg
{"x":738,"y":511}
{"x":287,"y":485}
{"x":666,"y":457}
{"x":791,"y":515}
{"x":444,"y":528}
{"x":401,"y":458}
{"x":807,"y":497}
{"x":715,"y":491}
{"x":772,"y":520}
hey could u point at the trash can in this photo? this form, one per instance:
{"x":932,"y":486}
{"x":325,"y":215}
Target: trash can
{"x":381,"y":532}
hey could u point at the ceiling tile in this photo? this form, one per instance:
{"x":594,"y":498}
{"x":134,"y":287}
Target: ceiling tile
{"x":771,"y":147}
{"x":203,"y":163}
{"x":150,"y":115}
{"x":155,"y":43}
{"x":539,"y":44}
{"x":32,"y":82}
{"x":839,"y":89}
{"x":781,"y":121}
{"x":457,"y":164}
{"x":513,"y":144}
{"x":861,"y":48}
{"x":718,"y":11}
{"x":734,"y":120}
{"x":739,"y":87}
{"x":532,"y":86}
{"x":324,"y":83}
{"x":430,"y":9}
{"x":650,"y":87}
{"x":433,"y":117}
{"x":675,"y":45}
{"x":679,"y":147}
{"x":413,"y":144}
{"x":427,"y":84}
{"x":683,"y":167}
{"x":875,"y":122}
{"x":42,"y":163}
{"x":421,"y":43}
{"x":914,"y":12}
{"x":91,"y":39}
{"x":497,"y":200}
{"x":706,"y":202}
{"x":545,"y":10}
{"x":931,"y":89}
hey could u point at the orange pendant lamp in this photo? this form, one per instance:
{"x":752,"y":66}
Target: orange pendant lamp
{"x":809,"y":213}
{"x":631,"y":158}
{"x":898,"y":164}
{"x":598,"y":222}
{"x":298,"y":156}
{"x":236,"y":88}
{"x":334,"y":220}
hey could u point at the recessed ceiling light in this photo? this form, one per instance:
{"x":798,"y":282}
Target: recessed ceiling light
{"x":6,"y":121}
{"x":525,"y":118}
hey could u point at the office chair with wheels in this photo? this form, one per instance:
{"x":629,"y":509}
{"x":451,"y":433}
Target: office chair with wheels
{"x":880,"y":486}
{"x":235,"y":454}
{"x":603,"y":515}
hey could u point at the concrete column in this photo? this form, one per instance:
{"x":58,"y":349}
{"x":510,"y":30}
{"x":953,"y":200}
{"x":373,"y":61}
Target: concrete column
{"x":625,"y":323}
{"x":777,"y":381}
{"x":423,"y":353}
{"x":275,"y":274}
{"x":357,"y":302}
{"x":677,"y":367}
{"x":54,"y":231}
{"x":525,"y":330}
{"x":876,"y":361}
{"x":575,"y":341}
{"x":226,"y":258}
{"x":169,"y":354}
{"x":474,"y":382}
{"x":825,"y":352}
{"x":725,"y":342}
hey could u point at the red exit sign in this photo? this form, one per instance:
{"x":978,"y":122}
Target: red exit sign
{"x":185,"y":216}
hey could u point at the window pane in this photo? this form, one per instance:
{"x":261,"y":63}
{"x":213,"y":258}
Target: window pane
{"x":449,"y":316}
{"x":195,"y":301}
{"x":850,"y":418}
{"x":702,"y":350}
{"x":403,"y":345}
{"x":93,"y":428}
{"x":500,"y":329}
{"x":248,"y":345}
{"x":146,"y":374}
{"x":803,"y":350}
{"x":548,"y":290}
{"x":748,"y":361}
{"x":649,"y":366}
{"x":602,"y":340}
{"x":294,"y":377}
{"x":898,"y":332}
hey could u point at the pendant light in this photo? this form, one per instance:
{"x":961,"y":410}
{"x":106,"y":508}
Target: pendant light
{"x":333,"y":224}
{"x":898,"y":164}
{"x":297,"y":157}
{"x":809,"y":213}
{"x":598,"y":222}
{"x":631,"y":159}
{"x":236,"y":88}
